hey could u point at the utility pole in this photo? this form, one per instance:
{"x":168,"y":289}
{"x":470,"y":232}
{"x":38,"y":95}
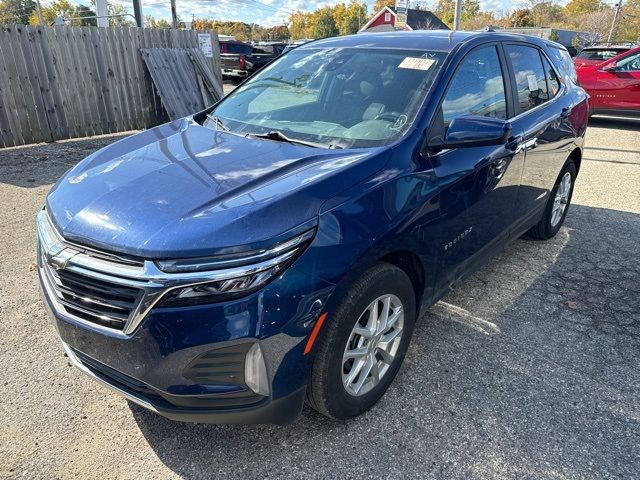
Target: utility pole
{"x":101,"y":13}
{"x":174,"y":15}
{"x":39,"y":9}
{"x":616,"y":14}
{"x":137,"y":12}
{"x":457,"y":14}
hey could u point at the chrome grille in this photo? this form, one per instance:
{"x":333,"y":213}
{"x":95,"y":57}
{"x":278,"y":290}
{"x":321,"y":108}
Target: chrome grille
{"x":115,"y":291}
{"x":91,"y":299}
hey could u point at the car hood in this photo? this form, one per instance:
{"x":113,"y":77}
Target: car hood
{"x":182,"y":190}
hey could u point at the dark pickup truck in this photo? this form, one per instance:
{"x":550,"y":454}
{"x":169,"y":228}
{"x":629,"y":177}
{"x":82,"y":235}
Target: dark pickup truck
{"x":239,"y":60}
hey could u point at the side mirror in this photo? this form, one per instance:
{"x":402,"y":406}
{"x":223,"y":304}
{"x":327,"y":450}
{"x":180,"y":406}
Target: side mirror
{"x":610,"y":67}
{"x":476,"y":131}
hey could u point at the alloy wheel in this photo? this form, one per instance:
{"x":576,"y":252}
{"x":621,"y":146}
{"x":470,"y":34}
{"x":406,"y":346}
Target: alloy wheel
{"x":372,"y":345}
{"x":561,"y":199}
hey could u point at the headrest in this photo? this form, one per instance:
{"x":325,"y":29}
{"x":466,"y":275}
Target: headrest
{"x":366,"y":88}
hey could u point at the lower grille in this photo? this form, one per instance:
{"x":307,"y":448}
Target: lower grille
{"x":90,"y":299}
{"x":157,"y":399}
{"x":223,"y":365}
{"x":106,"y":372}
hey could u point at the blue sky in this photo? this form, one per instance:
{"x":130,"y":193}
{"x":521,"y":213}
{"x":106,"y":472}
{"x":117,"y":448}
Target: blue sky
{"x":264,"y":12}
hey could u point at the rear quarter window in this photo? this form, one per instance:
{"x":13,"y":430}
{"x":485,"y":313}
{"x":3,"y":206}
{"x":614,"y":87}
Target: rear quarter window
{"x":531,"y":81}
{"x":563,"y":62}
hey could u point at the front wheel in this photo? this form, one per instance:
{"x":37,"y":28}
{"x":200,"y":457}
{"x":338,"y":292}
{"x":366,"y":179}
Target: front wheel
{"x":557,"y":204}
{"x":364,"y":344}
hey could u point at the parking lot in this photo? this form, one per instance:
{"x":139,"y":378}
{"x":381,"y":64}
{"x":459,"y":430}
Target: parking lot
{"x":531,"y":369}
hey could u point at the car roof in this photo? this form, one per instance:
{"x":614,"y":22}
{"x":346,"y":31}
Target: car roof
{"x":436,"y":40}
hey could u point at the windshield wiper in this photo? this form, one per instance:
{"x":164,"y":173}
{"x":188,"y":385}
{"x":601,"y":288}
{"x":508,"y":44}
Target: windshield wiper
{"x":278,"y":136}
{"x":218,"y":122}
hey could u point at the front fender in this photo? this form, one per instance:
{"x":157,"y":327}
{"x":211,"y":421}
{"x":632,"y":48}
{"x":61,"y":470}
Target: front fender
{"x":387,"y":214}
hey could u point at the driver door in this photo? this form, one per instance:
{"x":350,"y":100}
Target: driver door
{"x":479,"y":200}
{"x":619,"y":86}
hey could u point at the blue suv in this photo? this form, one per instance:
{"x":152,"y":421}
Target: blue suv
{"x":279,"y":246}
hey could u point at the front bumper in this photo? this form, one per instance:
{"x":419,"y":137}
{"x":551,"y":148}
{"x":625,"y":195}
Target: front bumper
{"x":280,"y":411}
{"x":151,"y":366}
{"x":148,"y":368}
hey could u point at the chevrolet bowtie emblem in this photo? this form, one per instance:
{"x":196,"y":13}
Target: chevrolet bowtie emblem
{"x":61,"y":259}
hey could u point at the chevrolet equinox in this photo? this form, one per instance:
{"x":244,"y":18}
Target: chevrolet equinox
{"x":279,"y":246}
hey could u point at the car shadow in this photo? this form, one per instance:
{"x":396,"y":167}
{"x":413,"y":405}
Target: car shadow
{"x":529,"y":368}
{"x":43,"y":164}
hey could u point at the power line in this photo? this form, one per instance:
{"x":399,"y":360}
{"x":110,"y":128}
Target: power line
{"x":246,"y":3}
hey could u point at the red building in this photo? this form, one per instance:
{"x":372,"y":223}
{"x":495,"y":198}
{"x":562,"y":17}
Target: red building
{"x":385,"y":19}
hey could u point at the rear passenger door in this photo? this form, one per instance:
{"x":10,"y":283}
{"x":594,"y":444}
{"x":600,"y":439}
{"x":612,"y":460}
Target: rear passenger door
{"x":543,"y":106}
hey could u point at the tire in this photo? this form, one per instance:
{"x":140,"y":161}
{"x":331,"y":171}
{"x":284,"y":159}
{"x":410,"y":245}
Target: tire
{"x":546,"y":228}
{"x":326,"y":391}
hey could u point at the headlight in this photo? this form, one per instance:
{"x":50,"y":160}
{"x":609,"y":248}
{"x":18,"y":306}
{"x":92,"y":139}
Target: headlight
{"x":238,"y":275}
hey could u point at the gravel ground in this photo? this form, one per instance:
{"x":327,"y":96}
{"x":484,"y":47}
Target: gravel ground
{"x":529,"y":370}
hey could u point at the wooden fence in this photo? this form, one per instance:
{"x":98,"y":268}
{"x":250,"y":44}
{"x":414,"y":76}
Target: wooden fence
{"x":66,"y":82}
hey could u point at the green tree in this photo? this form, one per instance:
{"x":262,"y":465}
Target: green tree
{"x":279,"y":32}
{"x":84,"y":11}
{"x":57,"y":8}
{"x":519,"y":18}
{"x":322,"y":24}
{"x":16,"y":11}
{"x":445,"y":10}
{"x":117,"y":13}
{"x":350,"y":18}
{"x":380,"y":4}
{"x":547,"y":14}
{"x":479,"y":21}
{"x":152,"y":22}
{"x":299,"y":25}
{"x":579,"y":7}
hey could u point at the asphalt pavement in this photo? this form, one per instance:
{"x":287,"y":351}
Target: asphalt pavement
{"x":530,"y":369}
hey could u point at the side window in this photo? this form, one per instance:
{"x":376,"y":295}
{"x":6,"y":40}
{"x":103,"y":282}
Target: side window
{"x":553,"y":85}
{"x":629,"y":64}
{"x":530,"y":77}
{"x":564,"y":63}
{"x":477,"y":87}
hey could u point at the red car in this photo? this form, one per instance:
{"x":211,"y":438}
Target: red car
{"x":614,"y":84}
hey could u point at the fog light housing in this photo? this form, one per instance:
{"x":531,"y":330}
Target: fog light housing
{"x":255,"y":371}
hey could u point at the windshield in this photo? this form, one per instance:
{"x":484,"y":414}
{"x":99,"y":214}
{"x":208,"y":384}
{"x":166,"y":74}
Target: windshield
{"x":600,"y":54}
{"x":333,"y":97}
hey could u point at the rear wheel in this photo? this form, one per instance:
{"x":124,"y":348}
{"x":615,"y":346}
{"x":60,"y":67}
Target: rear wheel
{"x":364,"y":343}
{"x":557,"y":204}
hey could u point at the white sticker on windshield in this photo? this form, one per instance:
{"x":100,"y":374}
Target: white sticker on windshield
{"x":416,"y":63}
{"x":533,"y":83}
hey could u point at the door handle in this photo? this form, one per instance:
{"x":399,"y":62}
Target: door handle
{"x":515,"y":144}
{"x":566,"y":111}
